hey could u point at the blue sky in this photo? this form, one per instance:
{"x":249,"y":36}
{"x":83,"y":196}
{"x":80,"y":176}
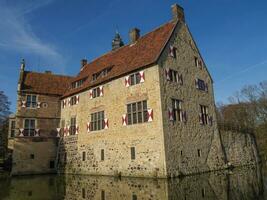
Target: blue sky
{"x":56,"y":34}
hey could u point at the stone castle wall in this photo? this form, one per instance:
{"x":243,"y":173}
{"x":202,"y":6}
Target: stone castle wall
{"x":117,"y":140}
{"x":240,"y":148}
{"x":183,"y":140}
{"x":33,"y":155}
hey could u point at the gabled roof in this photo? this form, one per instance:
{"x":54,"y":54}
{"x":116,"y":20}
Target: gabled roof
{"x":45,"y":83}
{"x":126,"y":59}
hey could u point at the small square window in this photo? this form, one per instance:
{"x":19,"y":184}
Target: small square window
{"x":102,"y":154}
{"x":84,"y":156}
{"x":199,"y":152}
{"x":32,"y":156}
{"x":103,"y":195}
{"x":52,"y":164}
{"x":134,"y":197}
{"x":133,"y":153}
{"x":83,"y":193}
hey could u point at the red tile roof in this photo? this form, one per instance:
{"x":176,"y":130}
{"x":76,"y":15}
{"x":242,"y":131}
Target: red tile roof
{"x":45,"y":83}
{"x":126,"y":59}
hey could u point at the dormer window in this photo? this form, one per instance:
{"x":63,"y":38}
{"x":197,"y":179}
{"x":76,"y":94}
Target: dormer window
{"x":102,"y":73}
{"x":78,"y":83}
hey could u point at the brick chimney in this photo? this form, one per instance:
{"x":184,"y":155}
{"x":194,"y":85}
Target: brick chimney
{"x":83,"y":62}
{"x":134,"y":35}
{"x":178,"y":13}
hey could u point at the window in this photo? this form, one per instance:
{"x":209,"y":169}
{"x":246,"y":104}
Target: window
{"x":97,"y":121}
{"x":199,"y":152}
{"x":65,"y":157}
{"x":137,"y":112}
{"x":102,"y":154}
{"x":134,"y":197}
{"x":175,"y":76}
{"x":103,"y":195}
{"x":83,"y":193}
{"x":32,"y":156}
{"x":13,"y":128}
{"x":29,"y":127}
{"x":73,"y":100}
{"x":52,"y":164}
{"x":102,"y":73}
{"x":73,"y":126}
{"x":201,"y":85}
{"x":96,"y":92}
{"x":203,"y":114}
{"x":134,"y":78}
{"x":198,"y":62}
{"x":177,"y":110}
{"x":203,"y":192}
{"x":31,"y":101}
{"x":84,"y":156}
{"x":78,"y":83}
{"x":133,"y":153}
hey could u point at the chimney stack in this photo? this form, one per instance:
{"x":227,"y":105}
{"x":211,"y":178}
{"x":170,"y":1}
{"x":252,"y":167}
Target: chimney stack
{"x":178,"y":13}
{"x":134,"y":35}
{"x":83,"y":62}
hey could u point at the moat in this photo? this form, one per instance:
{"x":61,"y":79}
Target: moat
{"x":242,"y":183}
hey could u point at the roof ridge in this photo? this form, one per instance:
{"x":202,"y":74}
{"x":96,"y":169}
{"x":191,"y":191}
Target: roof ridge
{"x":52,"y":74}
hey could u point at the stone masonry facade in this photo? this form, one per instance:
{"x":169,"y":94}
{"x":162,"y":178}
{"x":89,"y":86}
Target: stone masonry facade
{"x":145,"y":109}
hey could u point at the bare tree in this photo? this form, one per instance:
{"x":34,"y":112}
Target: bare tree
{"x":4,"y":107}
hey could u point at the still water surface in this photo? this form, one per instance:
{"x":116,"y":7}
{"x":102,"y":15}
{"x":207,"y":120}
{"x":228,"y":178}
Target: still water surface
{"x":245,"y":183}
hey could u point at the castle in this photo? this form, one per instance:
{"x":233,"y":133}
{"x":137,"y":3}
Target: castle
{"x":145,"y":109}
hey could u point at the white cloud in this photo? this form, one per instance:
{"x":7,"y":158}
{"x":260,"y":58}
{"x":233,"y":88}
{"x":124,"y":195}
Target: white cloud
{"x":16,"y":33}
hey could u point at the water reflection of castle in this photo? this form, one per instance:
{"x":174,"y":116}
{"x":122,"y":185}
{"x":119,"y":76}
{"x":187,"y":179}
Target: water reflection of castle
{"x":239,"y":184}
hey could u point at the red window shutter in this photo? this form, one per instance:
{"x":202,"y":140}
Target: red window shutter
{"x":127,"y":83}
{"x":210,"y":120}
{"x":76,"y":129}
{"x":21,"y":132}
{"x":172,"y":51}
{"x":37,"y":133}
{"x":206,"y":87}
{"x":68,"y":130}
{"x":150,"y":115}
{"x":101,"y":91}
{"x":142,"y":76}
{"x":106,"y":123}
{"x":124,"y":120}
{"x":180,"y":79}
{"x":77,"y":99}
{"x":196,"y":83}
{"x":91,"y":94}
{"x":184,"y":116}
{"x":58,"y":132}
{"x":170,"y":112}
{"x":88,"y":127}
{"x":167,"y":73}
{"x":23,"y":104}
